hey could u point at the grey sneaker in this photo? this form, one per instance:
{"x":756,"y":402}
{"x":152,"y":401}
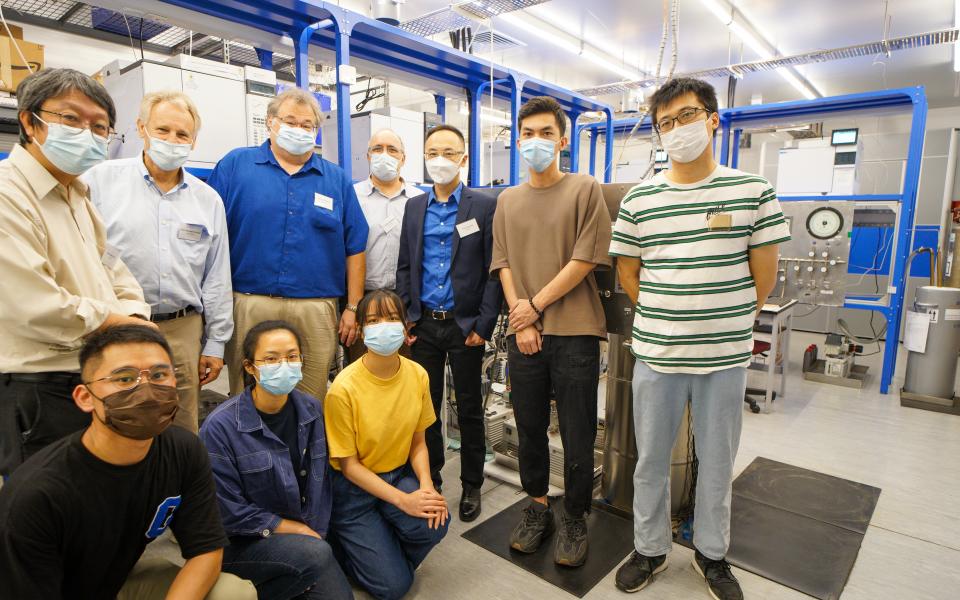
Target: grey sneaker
{"x":572,"y":544}
{"x":535,"y":525}
{"x":721,"y":583}
{"x":638,"y":572}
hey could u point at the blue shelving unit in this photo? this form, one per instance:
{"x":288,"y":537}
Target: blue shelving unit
{"x":351,"y":36}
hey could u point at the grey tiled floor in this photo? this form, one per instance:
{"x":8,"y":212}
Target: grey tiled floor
{"x":911,"y":550}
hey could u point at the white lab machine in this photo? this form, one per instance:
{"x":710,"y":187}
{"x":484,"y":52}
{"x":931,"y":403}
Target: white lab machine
{"x":408,"y":124}
{"x":216,"y":88}
{"x":821,"y":166}
{"x":261,"y":87}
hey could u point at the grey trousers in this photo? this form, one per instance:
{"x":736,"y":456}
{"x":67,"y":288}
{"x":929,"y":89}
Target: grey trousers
{"x":716,"y":404}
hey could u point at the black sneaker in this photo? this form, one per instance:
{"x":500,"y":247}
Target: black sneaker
{"x":638,"y":572}
{"x":571,"y":548}
{"x":533,"y":528}
{"x":721,"y":583}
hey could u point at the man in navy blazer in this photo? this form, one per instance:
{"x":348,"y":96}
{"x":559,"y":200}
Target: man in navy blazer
{"x":446,"y":243}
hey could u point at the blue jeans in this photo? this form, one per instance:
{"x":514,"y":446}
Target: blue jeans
{"x":381,"y":546}
{"x":287,"y":565}
{"x":716,"y":405}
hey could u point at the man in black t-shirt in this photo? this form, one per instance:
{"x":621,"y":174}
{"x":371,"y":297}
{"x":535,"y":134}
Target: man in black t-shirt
{"x":76,"y":517}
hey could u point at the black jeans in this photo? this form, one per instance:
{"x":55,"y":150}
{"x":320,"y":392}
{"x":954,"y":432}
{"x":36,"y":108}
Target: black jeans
{"x":436,"y":341}
{"x":36,"y":409}
{"x":570,"y":367}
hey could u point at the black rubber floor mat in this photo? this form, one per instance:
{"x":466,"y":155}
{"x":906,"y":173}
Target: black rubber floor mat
{"x":611,"y":540}
{"x":797,"y":527}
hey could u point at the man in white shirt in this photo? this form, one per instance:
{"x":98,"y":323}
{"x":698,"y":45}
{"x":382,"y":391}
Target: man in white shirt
{"x":61,"y":281}
{"x":696,"y":250}
{"x":170,"y":229}
{"x":383,"y":197}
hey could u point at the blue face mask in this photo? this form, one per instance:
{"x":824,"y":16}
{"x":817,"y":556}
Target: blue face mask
{"x":281,"y":378}
{"x":384,"y":338}
{"x":296,"y":141}
{"x":166,"y":155}
{"x":538,"y":153}
{"x":72,"y":150}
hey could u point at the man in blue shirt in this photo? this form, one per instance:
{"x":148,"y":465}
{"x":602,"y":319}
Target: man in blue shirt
{"x":446,"y":244}
{"x":170,"y":230}
{"x":297,"y":239}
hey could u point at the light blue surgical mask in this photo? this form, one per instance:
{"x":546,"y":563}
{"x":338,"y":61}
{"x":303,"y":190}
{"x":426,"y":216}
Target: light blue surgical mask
{"x":71,"y":149}
{"x":167,"y":155}
{"x":294,"y":140}
{"x":280,"y":378}
{"x":538,"y":153}
{"x":384,"y":338}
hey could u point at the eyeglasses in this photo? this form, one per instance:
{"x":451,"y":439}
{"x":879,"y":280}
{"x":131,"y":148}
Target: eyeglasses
{"x":129,"y":377}
{"x":305,"y":125}
{"x":447,"y":154}
{"x":293,"y":357}
{"x":684,"y":117}
{"x":73,"y":121}
{"x":391,"y":150}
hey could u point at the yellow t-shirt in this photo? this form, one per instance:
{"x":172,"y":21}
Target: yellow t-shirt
{"x":374,"y":418}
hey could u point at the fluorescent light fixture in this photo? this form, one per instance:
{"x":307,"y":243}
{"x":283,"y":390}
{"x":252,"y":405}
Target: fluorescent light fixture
{"x":571,"y":44}
{"x":722,"y":11}
{"x":488,"y":115}
{"x":956,"y":45}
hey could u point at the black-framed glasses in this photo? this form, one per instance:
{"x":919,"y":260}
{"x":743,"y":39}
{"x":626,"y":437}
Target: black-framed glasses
{"x":293,"y":357}
{"x":127,"y":378}
{"x":684,"y":117}
{"x":451,"y":155}
{"x":67,"y":119}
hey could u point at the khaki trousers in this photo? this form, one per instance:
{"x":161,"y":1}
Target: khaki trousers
{"x":315,"y":319}
{"x":151,"y":577}
{"x":184,"y":336}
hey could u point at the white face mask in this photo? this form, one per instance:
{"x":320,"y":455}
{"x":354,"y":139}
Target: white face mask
{"x":441,"y":170}
{"x":384,"y":167}
{"x":687,"y":142}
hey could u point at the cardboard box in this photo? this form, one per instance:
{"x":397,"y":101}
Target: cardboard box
{"x":15,"y":30}
{"x":12,"y":69}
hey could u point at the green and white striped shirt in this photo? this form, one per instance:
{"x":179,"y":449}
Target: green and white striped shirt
{"x":697,"y":298}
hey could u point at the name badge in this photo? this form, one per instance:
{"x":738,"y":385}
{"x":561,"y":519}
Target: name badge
{"x":110,"y":258}
{"x":190,"y":233}
{"x":719,"y":221}
{"x":389,"y":223}
{"x":468,"y":228}
{"x":323,"y":201}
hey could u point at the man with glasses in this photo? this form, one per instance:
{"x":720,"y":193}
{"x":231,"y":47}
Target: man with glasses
{"x":383,"y":197}
{"x":442,"y":276}
{"x":61,"y":280}
{"x":170,"y":230}
{"x":76,"y":518}
{"x":297,"y":239}
{"x":697,"y":253}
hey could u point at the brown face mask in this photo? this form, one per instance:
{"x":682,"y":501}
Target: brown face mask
{"x":142,"y":412}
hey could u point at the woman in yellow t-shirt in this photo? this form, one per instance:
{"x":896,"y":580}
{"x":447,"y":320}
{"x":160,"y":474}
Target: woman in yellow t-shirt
{"x":386,"y":513}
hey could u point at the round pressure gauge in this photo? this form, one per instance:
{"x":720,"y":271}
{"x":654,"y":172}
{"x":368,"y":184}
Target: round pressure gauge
{"x":824,"y":223}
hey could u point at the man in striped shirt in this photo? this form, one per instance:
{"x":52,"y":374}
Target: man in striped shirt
{"x":697,"y":252}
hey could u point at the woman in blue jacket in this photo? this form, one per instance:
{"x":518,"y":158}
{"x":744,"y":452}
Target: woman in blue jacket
{"x":268,"y":450}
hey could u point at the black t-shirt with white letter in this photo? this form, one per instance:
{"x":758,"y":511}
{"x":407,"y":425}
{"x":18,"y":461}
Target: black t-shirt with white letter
{"x":73,"y":526}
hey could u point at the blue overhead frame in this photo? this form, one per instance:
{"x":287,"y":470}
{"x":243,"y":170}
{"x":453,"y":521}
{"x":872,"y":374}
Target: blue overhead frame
{"x":912,"y":99}
{"x":355,"y":36}
{"x":616,"y":126}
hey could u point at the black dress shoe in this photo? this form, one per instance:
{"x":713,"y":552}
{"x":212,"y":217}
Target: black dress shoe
{"x":469,"y":504}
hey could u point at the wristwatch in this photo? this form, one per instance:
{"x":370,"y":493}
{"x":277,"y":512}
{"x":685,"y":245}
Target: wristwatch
{"x":351,"y":307}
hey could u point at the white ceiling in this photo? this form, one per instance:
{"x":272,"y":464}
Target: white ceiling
{"x":630,"y":30}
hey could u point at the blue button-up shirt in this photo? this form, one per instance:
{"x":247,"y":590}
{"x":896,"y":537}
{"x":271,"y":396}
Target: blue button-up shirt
{"x":290,"y":235}
{"x":255,"y":477}
{"x":436,"y":292}
{"x":174,"y":243}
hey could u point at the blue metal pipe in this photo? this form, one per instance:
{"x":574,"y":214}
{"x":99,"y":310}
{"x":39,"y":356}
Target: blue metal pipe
{"x":735,"y":151}
{"x":516,"y":95}
{"x":441,"y":106}
{"x":474,"y":96}
{"x":593,"y":152}
{"x":265,"y":57}
{"x":608,"y":148}
{"x":301,"y":51}
{"x":574,"y":142}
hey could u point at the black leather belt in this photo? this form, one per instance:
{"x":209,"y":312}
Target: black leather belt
{"x":59,"y":377}
{"x":174,"y":315}
{"x":440,"y":315}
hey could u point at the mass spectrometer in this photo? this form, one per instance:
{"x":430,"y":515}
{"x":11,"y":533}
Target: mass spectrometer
{"x":821,"y":167}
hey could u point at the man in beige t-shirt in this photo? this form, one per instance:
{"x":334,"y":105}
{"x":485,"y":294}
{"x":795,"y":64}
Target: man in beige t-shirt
{"x":549,"y":235}
{"x":61,"y":280}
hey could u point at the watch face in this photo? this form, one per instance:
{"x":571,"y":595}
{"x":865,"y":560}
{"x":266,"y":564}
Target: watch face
{"x":825,"y":223}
